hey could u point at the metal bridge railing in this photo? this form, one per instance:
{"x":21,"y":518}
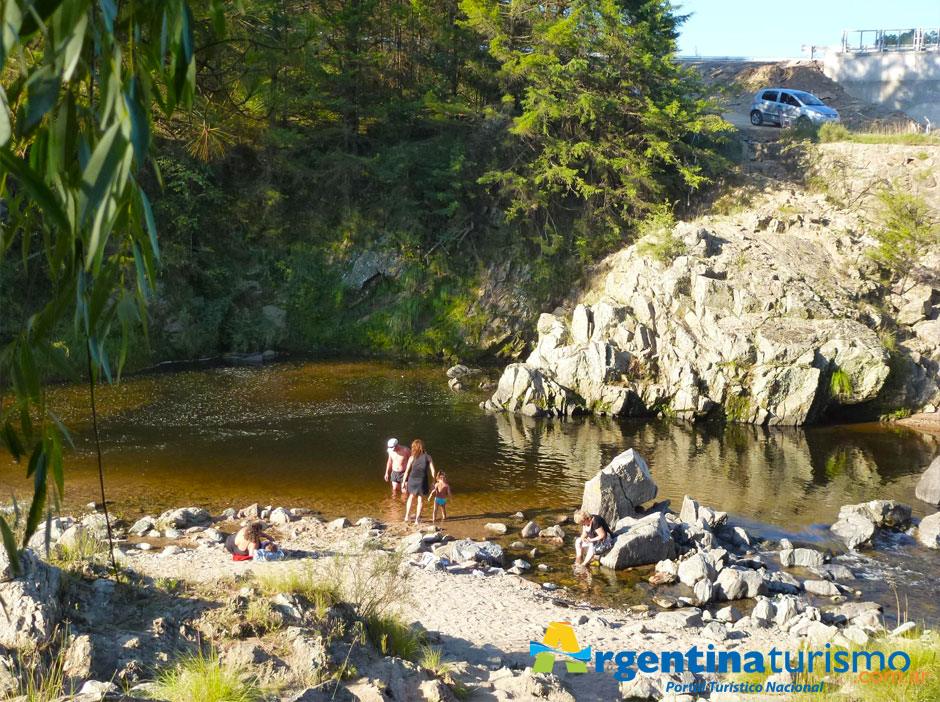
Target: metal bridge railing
{"x":876,"y":40}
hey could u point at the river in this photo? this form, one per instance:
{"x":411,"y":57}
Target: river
{"x":312,"y":434}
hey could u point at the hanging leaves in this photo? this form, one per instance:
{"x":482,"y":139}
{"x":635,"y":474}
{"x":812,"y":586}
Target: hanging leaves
{"x":74,"y":129}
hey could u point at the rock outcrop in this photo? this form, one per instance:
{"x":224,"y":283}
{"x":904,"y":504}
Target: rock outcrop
{"x":30,"y":601}
{"x":766,"y":319}
{"x":928,"y":531}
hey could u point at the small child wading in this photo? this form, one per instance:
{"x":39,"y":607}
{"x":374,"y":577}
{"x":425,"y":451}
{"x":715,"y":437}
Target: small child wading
{"x":440,"y":492}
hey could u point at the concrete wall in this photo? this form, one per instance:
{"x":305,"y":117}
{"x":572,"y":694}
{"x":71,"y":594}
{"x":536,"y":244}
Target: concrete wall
{"x":908,"y":81}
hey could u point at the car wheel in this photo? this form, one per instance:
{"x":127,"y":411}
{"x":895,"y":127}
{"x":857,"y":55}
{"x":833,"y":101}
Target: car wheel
{"x":803,"y":123}
{"x":756,"y":118}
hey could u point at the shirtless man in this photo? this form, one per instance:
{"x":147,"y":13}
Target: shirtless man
{"x":398,"y":456}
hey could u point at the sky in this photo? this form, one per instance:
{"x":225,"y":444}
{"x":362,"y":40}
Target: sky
{"x":780,"y":29}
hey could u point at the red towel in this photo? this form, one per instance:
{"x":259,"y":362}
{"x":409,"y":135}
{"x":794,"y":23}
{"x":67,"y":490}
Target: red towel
{"x":236,"y":557}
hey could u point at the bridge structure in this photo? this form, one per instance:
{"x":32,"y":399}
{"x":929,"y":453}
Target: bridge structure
{"x":898,"y":68}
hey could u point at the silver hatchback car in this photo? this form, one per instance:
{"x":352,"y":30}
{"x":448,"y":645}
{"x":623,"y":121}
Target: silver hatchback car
{"x":784,"y":107}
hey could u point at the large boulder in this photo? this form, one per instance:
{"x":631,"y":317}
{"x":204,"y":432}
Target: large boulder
{"x":184,"y":517}
{"x":928,"y":487}
{"x":470,"y":550}
{"x":802,"y":557}
{"x":881,"y":513}
{"x":854,"y":530}
{"x":646,"y":542}
{"x":735,"y":583}
{"x":928,"y":531}
{"x":617,"y":490}
{"x":30,"y":601}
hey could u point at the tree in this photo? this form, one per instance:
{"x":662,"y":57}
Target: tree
{"x":907,"y":227}
{"x":603,"y":121}
{"x":79,"y":80}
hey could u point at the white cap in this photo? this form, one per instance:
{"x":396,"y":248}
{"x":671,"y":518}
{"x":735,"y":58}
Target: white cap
{"x":392,"y":443}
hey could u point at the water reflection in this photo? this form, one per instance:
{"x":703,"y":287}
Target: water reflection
{"x":313,"y":434}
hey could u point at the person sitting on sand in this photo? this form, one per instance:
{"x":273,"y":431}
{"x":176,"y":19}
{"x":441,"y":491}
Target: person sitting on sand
{"x":440,"y":492}
{"x":398,"y":456}
{"x":596,"y":538}
{"x":243,"y":543}
{"x":416,"y":477}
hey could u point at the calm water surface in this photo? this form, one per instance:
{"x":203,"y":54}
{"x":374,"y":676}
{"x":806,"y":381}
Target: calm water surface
{"x":313,"y":434}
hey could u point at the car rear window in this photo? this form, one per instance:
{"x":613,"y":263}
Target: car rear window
{"x":770,"y":95}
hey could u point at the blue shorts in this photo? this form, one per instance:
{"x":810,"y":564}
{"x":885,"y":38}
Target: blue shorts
{"x":441,"y":500}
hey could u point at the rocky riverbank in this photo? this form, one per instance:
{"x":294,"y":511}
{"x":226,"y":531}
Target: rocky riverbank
{"x":359,"y":611}
{"x":774,"y":315}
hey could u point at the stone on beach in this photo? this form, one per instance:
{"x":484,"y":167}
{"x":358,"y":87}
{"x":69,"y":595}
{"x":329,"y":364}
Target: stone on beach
{"x":803,"y":557}
{"x":854,"y":530}
{"x":620,"y":488}
{"x":530,"y":530}
{"x":184,"y":517}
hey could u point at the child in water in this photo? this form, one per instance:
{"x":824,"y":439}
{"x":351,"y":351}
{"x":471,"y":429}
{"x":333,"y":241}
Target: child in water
{"x":440,"y":492}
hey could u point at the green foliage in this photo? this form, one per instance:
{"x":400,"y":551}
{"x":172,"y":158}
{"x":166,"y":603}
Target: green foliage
{"x":42,"y":670}
{"x":840,"y":384}
{"x":907,"y":226}
{"x":205,"y":678}
{"x":901,"y":134}
{"x":75,"y":132}
{"x":84,"y":546}
{"x":924,"y":653}
{"x":432,"y":659}
{"x":659,"y":241}
{"x":321,"y":592}
{"x":395,"y":638}
{"x":737,"y":408}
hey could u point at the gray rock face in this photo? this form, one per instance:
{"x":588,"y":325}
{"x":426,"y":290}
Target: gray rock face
{"x":622,"y":486}
{"x":647,"y":542}
{"x":928,"y":487}
{"x":928,"y":531}
{"x":31,"y":601}
{"x":184,"y":517}
{"x":748,"y":324}
{"x":523,"y":387}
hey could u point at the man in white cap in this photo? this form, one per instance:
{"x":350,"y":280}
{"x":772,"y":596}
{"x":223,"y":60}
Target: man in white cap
{"x":398,"y":456}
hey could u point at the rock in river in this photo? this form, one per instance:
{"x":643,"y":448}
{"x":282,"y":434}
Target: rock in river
{"x":928,"y":488}
{"x":646,"y":542}
{"x":928,"y":531}
{"x":617,"y":490}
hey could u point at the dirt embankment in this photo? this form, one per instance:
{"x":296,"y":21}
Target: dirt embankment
{"x":734,"y":84}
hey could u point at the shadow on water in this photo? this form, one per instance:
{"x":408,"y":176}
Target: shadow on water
{"x":312,"y":434}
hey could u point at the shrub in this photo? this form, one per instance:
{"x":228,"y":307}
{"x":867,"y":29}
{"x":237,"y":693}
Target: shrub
{"x":84,"y":546}
{"x":840,"y":384}
{"x":907,"y":226}
{"x":321,"y":592}
{"x":834,"y":131}
{"x":395,"y":638}
{"x":658,"y":238}
{"x":204,"y":678}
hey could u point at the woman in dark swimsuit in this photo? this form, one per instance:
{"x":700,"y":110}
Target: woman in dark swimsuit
{"x":416,"y":478}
